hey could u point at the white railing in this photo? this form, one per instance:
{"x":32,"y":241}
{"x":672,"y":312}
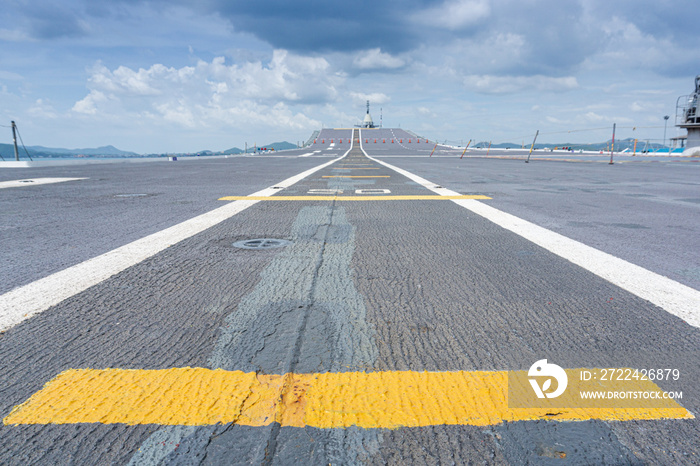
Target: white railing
{"x":687,"y":110}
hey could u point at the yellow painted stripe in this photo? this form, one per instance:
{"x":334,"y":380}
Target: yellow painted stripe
{"x":378,"y":197}
{"x":350,"y":176}
{"x":197,"y":396}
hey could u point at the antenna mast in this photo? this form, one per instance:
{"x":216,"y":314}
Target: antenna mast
{"x":14,"y":139}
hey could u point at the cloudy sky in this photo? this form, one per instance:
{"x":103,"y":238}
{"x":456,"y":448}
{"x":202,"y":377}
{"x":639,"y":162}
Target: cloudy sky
{"x":176,"y":76}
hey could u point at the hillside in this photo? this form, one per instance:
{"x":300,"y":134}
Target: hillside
{"x":8,"y":152}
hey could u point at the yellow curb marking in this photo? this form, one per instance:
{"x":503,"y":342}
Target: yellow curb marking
{"x":198,"y":396}
{"x":377,"y":197}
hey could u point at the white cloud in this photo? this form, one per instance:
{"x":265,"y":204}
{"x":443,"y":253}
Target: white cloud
{"x":629,"y":47}
{"x":333,"y":117}
{"x":213,"y":93}
{"x":42,"y":109}
{"x":455,"y":14}
{"x":10,"y":76}
{"x":594,"y":117}
{"x":493,"y":54}
{"x":376,"y":59}
{"x":374,"y":98}
{"x":426,"y":112}
{"x":14,"y":35}
{"x":597,"y":118}
{"x":489,"y":84}
{"x":88,"y":105}
{"x":551,"y":119}
{"x":126,"y":81}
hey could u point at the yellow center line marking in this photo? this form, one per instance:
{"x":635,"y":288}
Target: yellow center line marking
{"x":198,"y":396}
{"x":374,"y":197}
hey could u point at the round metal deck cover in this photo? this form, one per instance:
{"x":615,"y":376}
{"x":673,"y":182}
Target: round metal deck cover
{"x":262,"y":243}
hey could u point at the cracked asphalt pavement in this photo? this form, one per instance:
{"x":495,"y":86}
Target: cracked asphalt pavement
{"x":385,"y":286}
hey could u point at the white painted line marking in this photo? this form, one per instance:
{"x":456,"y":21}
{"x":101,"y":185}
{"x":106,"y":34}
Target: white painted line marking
{"x":306,"y":155}
{"x":676,"y":298}
{"x":372,"y":191}
{"x":35,"y":182}
{"x":325,"y":192}
{"x":28,"y":300}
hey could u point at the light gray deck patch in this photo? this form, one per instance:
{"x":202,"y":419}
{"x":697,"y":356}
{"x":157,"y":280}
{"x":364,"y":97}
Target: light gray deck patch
{"x":308,"y":287}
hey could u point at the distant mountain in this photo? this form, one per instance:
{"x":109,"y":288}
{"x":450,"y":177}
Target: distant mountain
{"x":8,"y":152}
{"x":104,"y":150}
{"x":233,"y":150}
{"x":284,"y":145}
{"x":209,"y":153}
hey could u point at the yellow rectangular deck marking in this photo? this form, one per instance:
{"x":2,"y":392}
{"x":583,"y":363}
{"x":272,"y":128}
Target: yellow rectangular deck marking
{"x":197,"y":396}
{"x":377,"y":197}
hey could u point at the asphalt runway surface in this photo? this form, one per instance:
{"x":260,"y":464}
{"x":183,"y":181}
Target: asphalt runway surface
{"x":397,"y":291}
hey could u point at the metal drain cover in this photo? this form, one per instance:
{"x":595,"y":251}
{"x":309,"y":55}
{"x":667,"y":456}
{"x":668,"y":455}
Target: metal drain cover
{"x":262,"y":243}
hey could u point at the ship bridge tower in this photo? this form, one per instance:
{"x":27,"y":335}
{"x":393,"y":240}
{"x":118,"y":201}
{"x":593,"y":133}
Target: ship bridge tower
{"x":688,"y":117}
{"x":367,"y":122}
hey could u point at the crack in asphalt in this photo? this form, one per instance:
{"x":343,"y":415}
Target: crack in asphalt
{"x":294,"y":360}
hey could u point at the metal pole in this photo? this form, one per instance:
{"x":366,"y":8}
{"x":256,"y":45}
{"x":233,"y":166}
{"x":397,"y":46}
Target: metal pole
{"x":14,"y":139}
{"x":532,"y":146}
{"x":666,"y":117}
{"x":436,"y":144}
{"x":465,"y":149}
{"x":612,"y":147}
